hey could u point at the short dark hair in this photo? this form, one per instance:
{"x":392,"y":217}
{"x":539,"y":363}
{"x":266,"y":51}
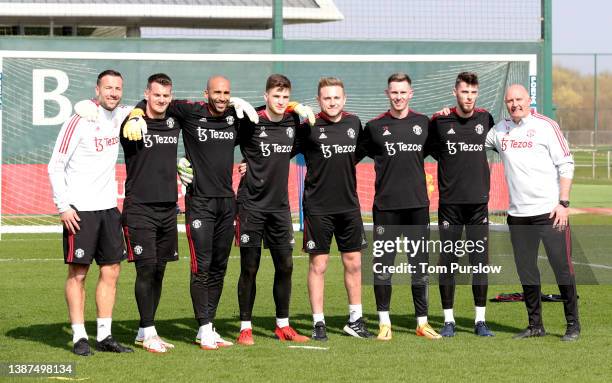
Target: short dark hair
{"x":469,"y":78}
{"x":329,"y":81}
{"x":278,"y":81}
{"x":160,"y":78}
{"x":399,"y":77}
{"x":108,"y":72}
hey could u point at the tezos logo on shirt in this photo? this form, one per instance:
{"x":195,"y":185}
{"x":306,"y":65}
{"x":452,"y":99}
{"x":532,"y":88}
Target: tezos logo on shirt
{"x":205,"y":134}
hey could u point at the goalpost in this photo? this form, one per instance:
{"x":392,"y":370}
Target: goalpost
{"x":38,"y":89}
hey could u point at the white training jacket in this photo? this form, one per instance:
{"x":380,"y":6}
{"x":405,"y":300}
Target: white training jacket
{"x":535,"y":154}
{"x":82,"y":166}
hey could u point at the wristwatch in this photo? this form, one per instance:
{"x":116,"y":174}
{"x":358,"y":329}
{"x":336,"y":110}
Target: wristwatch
{"x":564,"y":203}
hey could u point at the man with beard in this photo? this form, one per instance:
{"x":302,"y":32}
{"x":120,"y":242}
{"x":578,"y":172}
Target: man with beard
{"x":82,"y":176}
{"x":463,"y":181}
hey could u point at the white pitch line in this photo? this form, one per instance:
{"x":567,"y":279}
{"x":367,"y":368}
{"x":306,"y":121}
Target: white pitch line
{"x":310,"y":348}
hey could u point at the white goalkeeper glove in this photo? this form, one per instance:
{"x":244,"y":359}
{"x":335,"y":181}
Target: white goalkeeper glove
{"x":185,"y":171}
{"x":87,"y":109}
{"x":241,"y":106}
{"x":304,"y":111}
{"x":135,"y":127}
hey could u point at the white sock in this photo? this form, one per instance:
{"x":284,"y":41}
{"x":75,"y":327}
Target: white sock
{"x":448,"y":315}
{"x":383,"y":318}
{"x":318,"y":318}
{"x":104,"y":328}
{"x":78,"y":332}
{"x":282,"y":322}
{"x":149,"y":332}
{"x":480,"y":314}
{"x":421,"y":321}
{"x":140,"y":334}
{"x":206,"y":334}
{"x":355,"y":312}
{"x":245,"y":324}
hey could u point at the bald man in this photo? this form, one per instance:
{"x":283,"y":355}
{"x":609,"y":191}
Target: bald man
{"x":539,"y":169}
{"x":210,"y":133}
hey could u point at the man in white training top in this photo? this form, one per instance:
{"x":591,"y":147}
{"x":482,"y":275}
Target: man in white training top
{"x":539,"y":169}
{"x":82,"y":175}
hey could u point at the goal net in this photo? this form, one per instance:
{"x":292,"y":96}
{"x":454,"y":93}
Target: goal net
{"x":39,"y":88}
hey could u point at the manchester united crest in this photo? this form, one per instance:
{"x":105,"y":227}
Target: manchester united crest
{"x":351,"y":133}
{"x":229,"y":120}
{"x":170,"y":122}
{"x":290,"y":132}
{"x":417,"y":130}
{"x":479,"y":129}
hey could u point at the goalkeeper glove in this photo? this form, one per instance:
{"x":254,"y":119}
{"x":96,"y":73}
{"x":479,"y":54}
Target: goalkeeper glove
{"x":241,"y":106}
{"x":87,"y":109}
{"x":304,"y":111}
{"x":185,"y":171}
{"x":135,"y":127}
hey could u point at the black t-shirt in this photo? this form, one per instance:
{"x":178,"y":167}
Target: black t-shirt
{"x":209,"y":146}
{"x":398,"y":147}
{"x":329,"y":147}
{"x":459,"y":146}
{"x":151,"y":163}
{"x":267,"y":148}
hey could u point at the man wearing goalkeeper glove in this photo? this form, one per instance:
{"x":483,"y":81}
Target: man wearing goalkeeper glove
{"x":210,"y":133}
{"x":82,"y":176}
{"x":396,"y":141}
{"x":263,"y":207}
{"x":149,"y":209}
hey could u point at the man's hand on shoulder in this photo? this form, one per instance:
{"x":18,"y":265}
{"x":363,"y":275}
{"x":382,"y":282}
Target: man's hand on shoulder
{"x":136,"y":126}
{"x":304,"y":111}
{"x":87,"y":109}
{"x":241,"y":107}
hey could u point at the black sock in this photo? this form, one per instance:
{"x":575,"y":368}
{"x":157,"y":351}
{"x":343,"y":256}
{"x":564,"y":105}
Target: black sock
{"x":283,"y":269}
{"x":249,"y":264}
{"x":144,"y":292}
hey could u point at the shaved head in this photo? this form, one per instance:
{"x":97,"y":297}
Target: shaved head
{"x":517,"y":89}
{"x":218,"y":94}
{"x":518,"y":102}
{"x":215,"y":80}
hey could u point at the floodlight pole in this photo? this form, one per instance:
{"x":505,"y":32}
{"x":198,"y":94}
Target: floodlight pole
{"x":277,"y":33}
{"x":547,"y":58}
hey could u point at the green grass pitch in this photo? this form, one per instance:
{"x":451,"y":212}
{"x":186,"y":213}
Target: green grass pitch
{"x":34,"y":328}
